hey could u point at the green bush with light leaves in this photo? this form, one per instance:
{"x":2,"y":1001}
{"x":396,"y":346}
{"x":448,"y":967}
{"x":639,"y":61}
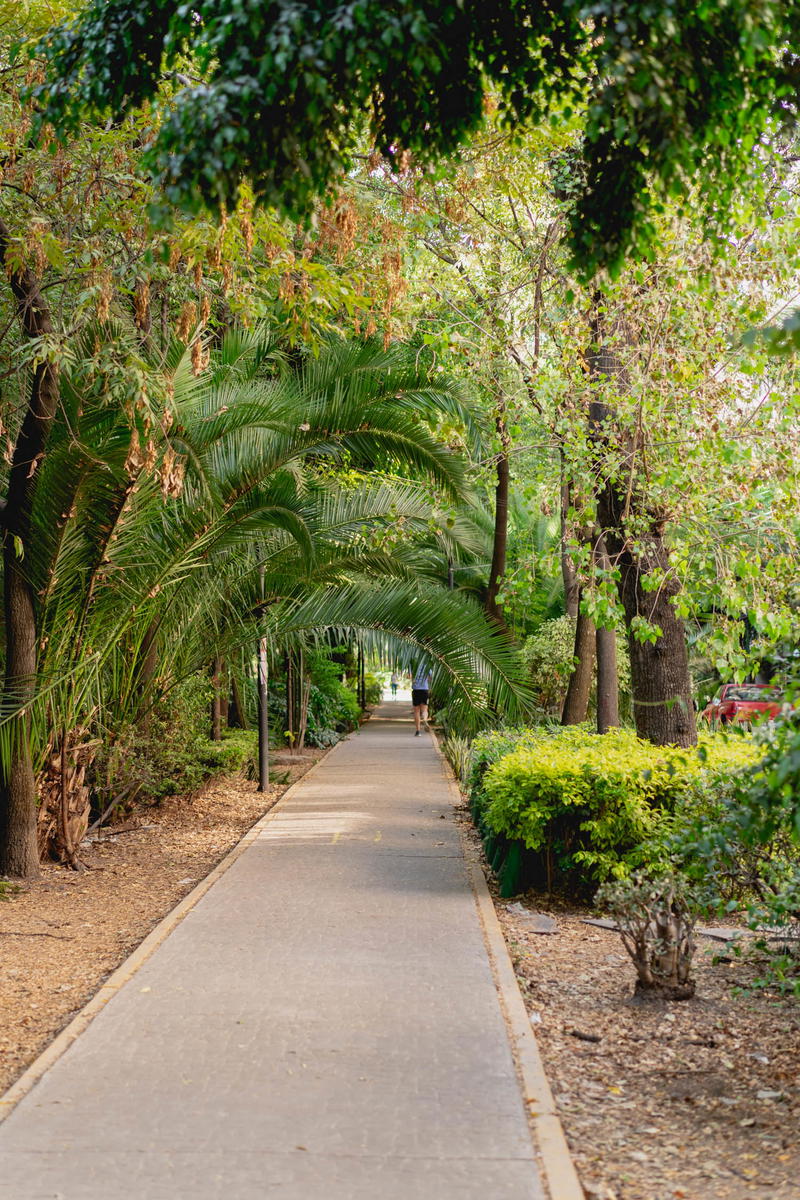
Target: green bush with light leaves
{"x":568,"y":808}
{"x":549,"y":655}
{"x":740,"y":849}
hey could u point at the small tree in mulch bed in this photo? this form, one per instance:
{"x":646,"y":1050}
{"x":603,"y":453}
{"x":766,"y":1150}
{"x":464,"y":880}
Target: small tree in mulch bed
{"x":657,"y":925}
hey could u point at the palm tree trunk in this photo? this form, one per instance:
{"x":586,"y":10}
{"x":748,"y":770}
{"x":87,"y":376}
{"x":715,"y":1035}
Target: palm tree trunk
{"x":18,"y":849}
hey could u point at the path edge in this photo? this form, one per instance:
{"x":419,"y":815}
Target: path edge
{"x":139,"y":955}
{"x":559,"y":1169}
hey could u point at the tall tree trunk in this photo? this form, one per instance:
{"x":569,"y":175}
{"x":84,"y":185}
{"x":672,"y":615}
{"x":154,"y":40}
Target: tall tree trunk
{"x":305,"y":694}
{"x":18,"y":848}
{"x":361,"y":688}
{"x":290,"y":725}
{"x":606,"y":652}
{"x":660,"y":682}
{"x":576,"y":703}
{"x":263,"y":715}
{"x":500,"y":540}
{"x":607,"y":680}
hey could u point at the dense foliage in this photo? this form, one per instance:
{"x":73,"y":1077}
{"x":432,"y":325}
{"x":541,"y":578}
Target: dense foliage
{"x":249,"y":419}
{"x":549,"y":656}
{"x":737,"y":846}
{"x":588,"y":805}
{"x":170,"y":754}
{"x":272,"y":90}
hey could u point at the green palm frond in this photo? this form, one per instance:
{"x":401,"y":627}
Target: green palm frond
{"x":120,"y":560}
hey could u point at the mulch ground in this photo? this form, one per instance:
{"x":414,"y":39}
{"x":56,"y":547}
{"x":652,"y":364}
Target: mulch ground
{"x":61,"y":936}
{"x":686,"y":1100}
{"x":689,"y":1100}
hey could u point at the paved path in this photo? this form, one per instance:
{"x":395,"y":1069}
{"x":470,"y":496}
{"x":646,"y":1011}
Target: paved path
{"x":323,"y":1025}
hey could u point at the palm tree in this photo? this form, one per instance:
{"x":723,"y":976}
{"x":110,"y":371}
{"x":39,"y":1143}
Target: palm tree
{"x":165,"y":497}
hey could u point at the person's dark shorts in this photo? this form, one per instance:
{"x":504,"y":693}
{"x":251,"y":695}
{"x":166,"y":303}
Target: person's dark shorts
{"x":419,"y":696}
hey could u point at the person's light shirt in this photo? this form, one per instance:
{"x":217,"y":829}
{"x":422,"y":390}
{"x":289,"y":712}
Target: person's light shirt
{"x":422,"y":681}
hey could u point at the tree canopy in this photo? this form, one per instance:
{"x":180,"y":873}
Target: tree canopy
{"x":353,"y":388}
{"x":284,"y":92}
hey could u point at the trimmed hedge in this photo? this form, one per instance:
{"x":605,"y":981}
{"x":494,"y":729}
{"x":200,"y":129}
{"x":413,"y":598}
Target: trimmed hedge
{"x":564,"y":807}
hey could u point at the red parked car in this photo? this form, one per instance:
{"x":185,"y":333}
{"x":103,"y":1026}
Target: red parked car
{"x":743,"y":703}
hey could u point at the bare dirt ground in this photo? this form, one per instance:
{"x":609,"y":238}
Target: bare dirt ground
{"x":63,"y":935}
{"x":690,"y":1100}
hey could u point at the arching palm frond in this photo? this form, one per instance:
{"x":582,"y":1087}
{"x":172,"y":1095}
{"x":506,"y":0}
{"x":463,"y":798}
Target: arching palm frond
{"x":126,"y":560}
{"x":468,"y":656}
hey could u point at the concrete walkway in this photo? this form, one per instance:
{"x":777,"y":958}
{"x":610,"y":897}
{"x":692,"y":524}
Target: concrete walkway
{"x":323,"y":1025}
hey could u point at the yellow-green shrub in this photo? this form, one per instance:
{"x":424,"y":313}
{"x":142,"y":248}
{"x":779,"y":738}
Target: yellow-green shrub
{"x":585,"y":803}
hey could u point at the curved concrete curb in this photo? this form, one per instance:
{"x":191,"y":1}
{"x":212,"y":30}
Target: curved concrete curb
{"x":31,"y":1076}
{"x":557,"y":1165}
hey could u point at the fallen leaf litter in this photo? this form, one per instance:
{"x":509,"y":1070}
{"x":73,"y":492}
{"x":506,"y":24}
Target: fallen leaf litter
{"x":687,"y":1100}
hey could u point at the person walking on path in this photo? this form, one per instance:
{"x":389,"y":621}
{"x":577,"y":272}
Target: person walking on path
{"x":393,"y":682}
{"x":420,"y":690}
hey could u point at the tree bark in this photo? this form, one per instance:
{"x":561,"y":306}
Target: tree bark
{"x":263,"y":715}
{"x":500,"y":540}
{"x":660,"y":680}
{"x":18,"y":847}
{"x":576,"y":703}
{"x":305,"y":693}
{"x":361,"y":689}
{"x":606,"y":653}
{"x":607,"y":680}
